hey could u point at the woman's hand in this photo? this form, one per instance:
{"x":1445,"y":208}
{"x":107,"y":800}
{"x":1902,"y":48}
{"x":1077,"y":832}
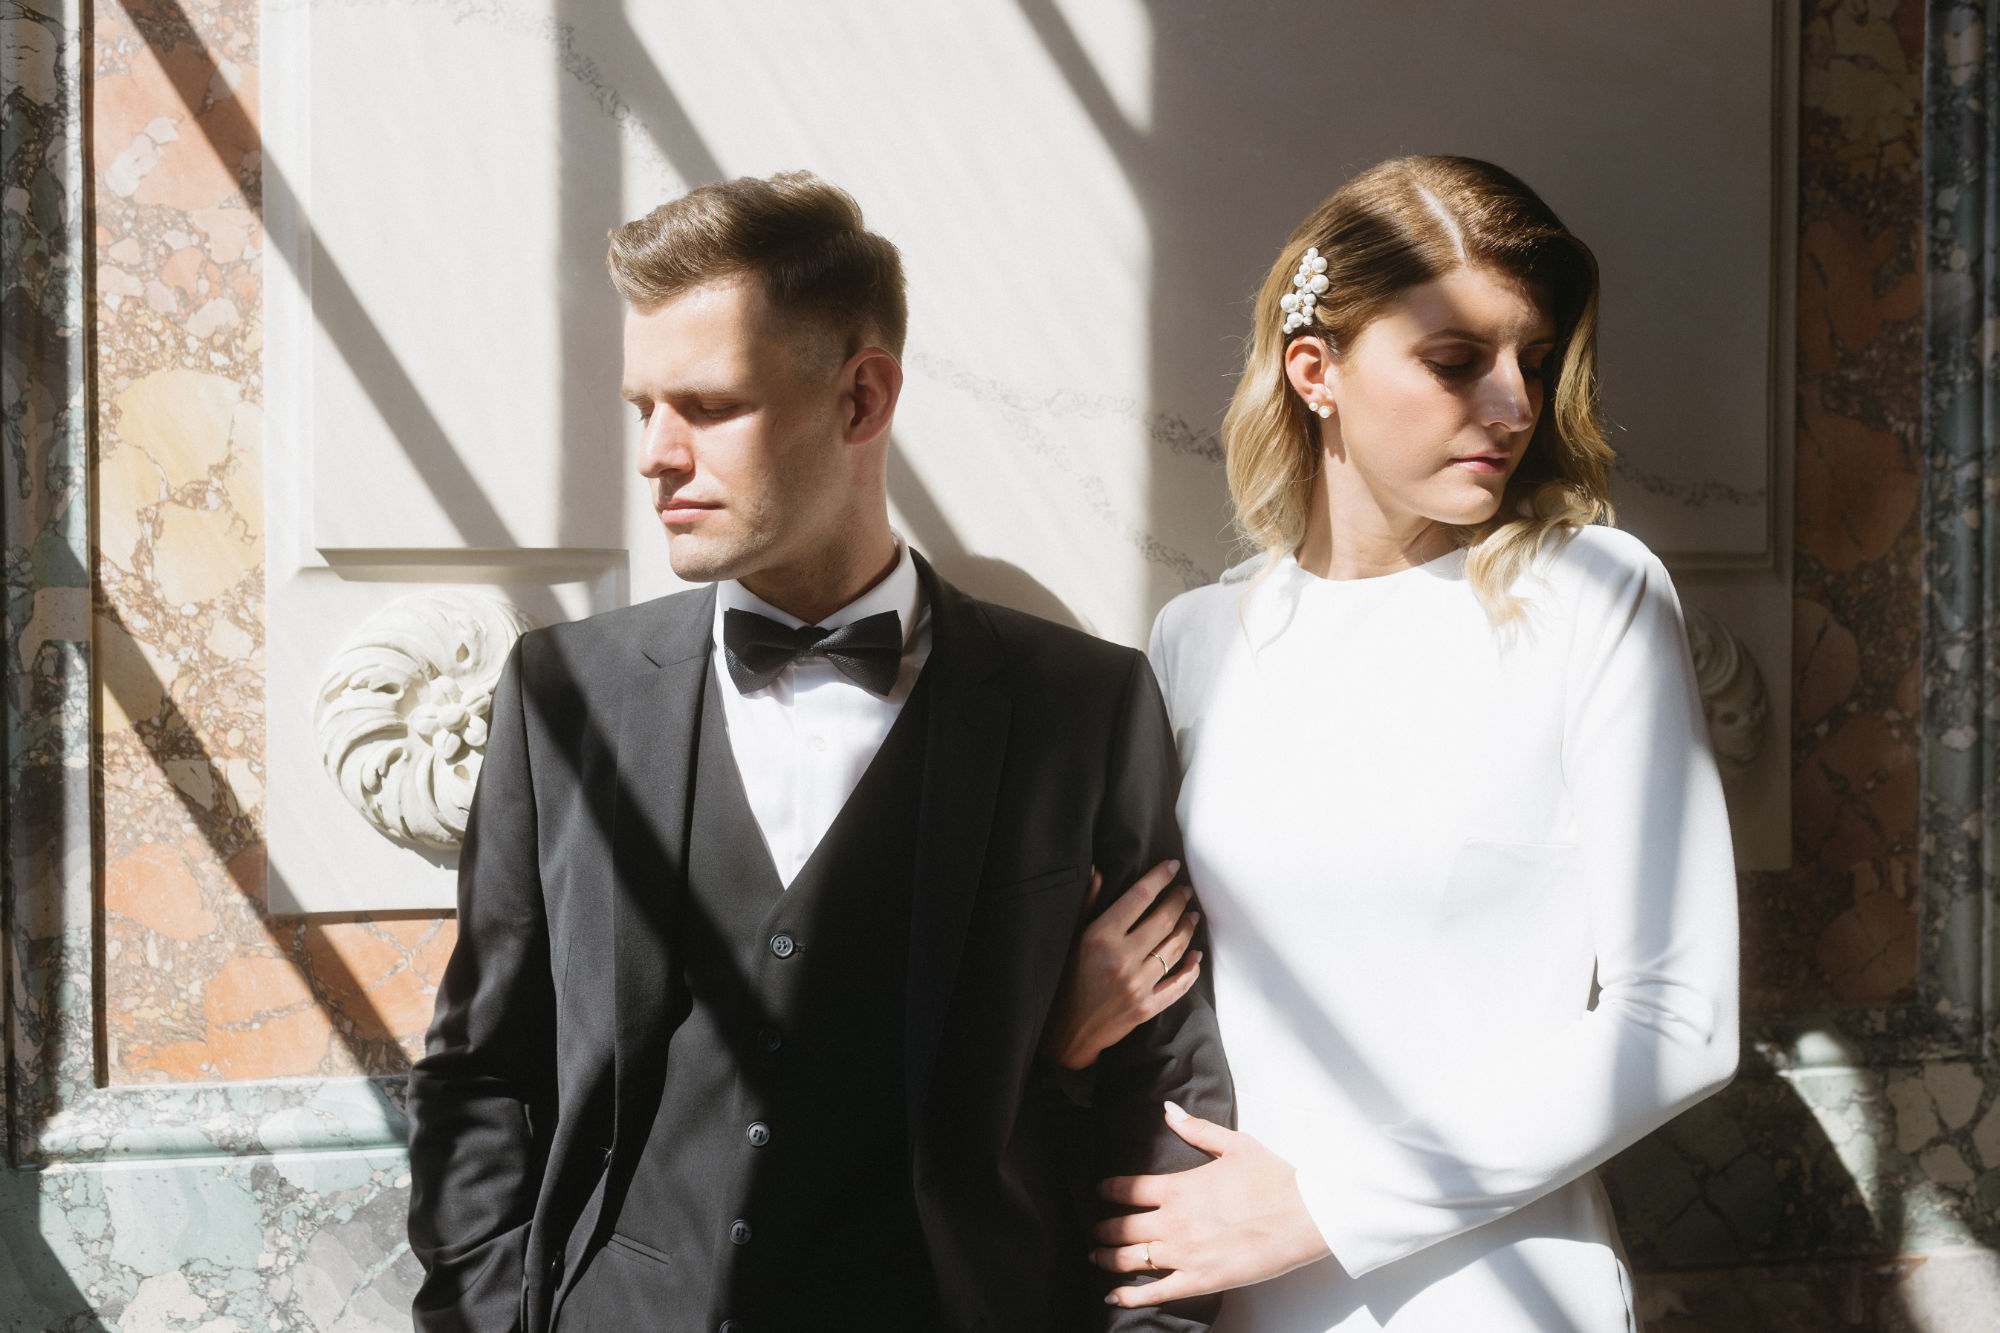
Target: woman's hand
{"x":1240,"y":1219}
{"x":1127,"y":965}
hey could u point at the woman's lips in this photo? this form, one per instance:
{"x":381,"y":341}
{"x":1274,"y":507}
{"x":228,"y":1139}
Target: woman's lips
{"x":1485,"y":463}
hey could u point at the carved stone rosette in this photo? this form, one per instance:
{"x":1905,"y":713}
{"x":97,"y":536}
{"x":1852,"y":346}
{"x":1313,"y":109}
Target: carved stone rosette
{"x":401,"y":715}
{"x":1732,"y":694}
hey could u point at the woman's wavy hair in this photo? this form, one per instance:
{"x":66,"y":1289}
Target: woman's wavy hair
{"x":1398,"y":224}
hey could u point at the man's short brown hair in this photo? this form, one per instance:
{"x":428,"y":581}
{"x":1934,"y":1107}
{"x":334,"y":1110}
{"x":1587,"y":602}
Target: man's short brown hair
{"x":800,"y":236}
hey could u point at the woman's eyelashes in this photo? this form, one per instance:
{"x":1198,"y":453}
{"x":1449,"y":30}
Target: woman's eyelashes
{"x":1459,"y":367}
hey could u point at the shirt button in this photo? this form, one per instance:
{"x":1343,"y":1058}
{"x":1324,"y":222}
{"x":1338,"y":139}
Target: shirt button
{"x":770,"y":1038}
{"x":783,"y":946}
{"x":818,"y":744}
{"x":739,"y":1232}
{"x":759,"y":1133}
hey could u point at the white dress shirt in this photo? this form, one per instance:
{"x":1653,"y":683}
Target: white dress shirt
{"x":803,"y":741}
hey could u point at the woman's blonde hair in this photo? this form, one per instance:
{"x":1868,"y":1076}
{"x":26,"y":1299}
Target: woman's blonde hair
{"x":1395,"y":226}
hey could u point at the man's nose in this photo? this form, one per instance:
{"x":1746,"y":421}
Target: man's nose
{"x":667,"y":445}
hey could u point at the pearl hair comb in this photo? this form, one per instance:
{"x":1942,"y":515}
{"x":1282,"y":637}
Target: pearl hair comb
{"x":1307,"y":285}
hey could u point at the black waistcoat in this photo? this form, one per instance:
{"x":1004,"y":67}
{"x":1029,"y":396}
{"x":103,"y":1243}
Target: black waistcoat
{"x":774,"y":1190}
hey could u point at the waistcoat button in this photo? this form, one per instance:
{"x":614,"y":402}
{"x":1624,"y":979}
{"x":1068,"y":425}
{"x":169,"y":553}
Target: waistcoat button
{"x":739,"y":1232}
{"x":770,"y":1038}
{"x":784,"y":946}
{"x":759,"y":1133}
{"x":731,"y":1326}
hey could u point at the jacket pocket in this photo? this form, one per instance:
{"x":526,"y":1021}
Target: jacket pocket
{"x":633,"y":1249}
{"x":1014,"y":890}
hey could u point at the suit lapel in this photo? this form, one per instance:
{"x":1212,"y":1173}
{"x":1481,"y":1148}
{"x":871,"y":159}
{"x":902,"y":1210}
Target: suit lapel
{"x":963,"y":751}
{"x":659,"y":718}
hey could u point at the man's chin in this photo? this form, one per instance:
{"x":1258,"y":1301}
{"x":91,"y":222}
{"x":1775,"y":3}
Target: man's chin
{"x":697,"y":561}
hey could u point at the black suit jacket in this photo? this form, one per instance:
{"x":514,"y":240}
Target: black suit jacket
{"x":1048,"y":752}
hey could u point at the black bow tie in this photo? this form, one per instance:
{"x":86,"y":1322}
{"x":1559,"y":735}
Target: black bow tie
{"x":868,"y":651}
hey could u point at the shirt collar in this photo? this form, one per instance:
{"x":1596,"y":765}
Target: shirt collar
{"x":899,"y":591}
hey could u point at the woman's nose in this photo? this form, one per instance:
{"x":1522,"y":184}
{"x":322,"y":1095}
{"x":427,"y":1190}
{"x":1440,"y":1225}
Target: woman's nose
{"x":1508,"y":400}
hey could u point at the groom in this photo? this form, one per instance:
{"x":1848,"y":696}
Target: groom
{"x":769,"y":885}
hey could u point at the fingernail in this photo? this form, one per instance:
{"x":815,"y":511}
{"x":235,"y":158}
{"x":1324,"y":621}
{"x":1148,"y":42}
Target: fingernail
{"x":1173,"y":866}
{"x":1174,"y":1112}
{"x":1111,"y":1300}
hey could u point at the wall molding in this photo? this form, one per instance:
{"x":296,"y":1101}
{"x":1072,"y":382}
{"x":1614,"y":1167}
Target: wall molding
{"x":179,"y":1120}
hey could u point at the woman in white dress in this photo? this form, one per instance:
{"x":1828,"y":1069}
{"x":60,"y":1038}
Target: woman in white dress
{"x":1448,"y":802}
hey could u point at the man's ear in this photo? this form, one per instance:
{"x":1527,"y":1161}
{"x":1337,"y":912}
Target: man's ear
{"x":873,"y":383}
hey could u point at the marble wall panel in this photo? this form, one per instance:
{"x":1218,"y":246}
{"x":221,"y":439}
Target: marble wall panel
{"x":308,"y":1242}
{"x":198,"y":981}
{"x":1851,"y":1177}
{"x":45,"y":882}
{"x":1839,"y":929}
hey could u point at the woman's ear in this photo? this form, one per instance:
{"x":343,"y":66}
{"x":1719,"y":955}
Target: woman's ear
{"x":1309,"y":367}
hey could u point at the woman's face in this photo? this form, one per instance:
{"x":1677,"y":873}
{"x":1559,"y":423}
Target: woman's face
{"x":1434,"y":402}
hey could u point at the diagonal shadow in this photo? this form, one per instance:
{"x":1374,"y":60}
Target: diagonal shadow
{"x":336,"y":307}
{"x":1128,"y":145}
{"x":588,"y":313}
{"x":656,"y":105}
{"x":166,"y":733}
{"x":983,"y":576}
{"x":400,"y":404}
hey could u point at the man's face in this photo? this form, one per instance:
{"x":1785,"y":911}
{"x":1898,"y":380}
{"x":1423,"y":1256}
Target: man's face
{"x":742,"y":431}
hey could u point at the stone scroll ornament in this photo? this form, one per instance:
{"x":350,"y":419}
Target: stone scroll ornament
{"x":1732,"y":694}
{"x":401,"y":716}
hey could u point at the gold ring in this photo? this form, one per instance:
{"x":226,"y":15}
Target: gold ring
{"x":1152,"y":1267}
{"x":1164,"y":968}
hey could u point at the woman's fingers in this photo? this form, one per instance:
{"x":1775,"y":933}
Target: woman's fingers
{"x":1134,"y":1191}
{"x":1206,"y":1135}
{"x":1172,"y":1287}
{"x":1127,"y":1229}
{"x":1176,"y":985}
{"x":1167,"y":914}
{"x":1132,"y":904}
{"x":1128,"y":1258}
{"x":1169,"y":951}
{"x":1171,"y":987}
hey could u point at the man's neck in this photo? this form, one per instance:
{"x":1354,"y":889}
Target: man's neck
{"x":814,"y":589}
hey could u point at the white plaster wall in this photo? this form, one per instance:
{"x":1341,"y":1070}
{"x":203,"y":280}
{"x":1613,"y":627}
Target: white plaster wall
{"x":1086,"y":192}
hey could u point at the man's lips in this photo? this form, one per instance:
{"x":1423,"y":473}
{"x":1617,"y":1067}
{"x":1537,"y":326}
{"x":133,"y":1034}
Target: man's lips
{"x":683,"y":511}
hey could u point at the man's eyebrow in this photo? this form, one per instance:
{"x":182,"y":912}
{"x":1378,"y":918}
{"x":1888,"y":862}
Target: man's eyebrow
{"x":678,"y":392}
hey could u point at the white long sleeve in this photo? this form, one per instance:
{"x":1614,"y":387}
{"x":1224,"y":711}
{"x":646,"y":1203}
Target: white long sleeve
{"x":1416,"y":841}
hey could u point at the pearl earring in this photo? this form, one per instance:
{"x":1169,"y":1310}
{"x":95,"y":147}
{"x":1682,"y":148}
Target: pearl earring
{"x":1323,"y":410}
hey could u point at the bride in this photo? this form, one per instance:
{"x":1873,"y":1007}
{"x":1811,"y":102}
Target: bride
{"x":1448,"y":802}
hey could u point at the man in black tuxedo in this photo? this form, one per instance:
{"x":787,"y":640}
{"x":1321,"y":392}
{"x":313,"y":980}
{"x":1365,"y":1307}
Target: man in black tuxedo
{"x":769,"y":886}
